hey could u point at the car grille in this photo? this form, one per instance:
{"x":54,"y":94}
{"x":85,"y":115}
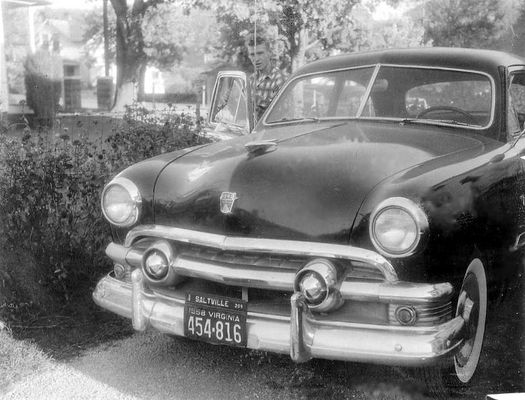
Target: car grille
{"x":263,"y":271}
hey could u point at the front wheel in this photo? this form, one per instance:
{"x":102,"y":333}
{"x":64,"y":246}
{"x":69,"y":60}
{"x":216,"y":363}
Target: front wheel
{"x":472,"y":307}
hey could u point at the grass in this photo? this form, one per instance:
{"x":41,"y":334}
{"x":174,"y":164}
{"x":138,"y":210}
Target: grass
{"x":19,"y":359}
{"x":76,"y":327}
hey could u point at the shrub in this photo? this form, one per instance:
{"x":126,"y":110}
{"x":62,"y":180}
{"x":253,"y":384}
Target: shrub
{"x":189,"y":97}
{"x":50,"y":190}
{"x":43,"y":81}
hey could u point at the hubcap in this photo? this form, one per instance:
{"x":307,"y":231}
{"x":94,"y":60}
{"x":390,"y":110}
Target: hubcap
{"x":472,"y":307}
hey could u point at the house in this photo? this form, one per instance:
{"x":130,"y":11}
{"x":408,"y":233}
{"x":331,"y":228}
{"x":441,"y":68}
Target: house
{"x":31,"y":28}
{"x":5,"y":6}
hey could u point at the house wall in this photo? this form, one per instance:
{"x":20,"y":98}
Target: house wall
{"x":4,"y":104}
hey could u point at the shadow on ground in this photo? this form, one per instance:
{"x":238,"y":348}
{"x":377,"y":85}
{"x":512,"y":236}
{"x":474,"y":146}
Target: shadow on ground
{"x":154,"y":366}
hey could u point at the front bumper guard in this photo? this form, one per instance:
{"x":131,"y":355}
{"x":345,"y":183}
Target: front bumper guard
{"x":300,"y":335}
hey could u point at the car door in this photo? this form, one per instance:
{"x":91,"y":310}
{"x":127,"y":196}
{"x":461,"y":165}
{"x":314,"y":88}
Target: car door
{"x":230,"y":112}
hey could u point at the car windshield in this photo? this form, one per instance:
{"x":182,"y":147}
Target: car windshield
{"x":410,"y":94}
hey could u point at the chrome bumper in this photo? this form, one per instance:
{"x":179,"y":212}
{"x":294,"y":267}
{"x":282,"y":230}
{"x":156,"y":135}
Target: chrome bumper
{"x":300,"y":334}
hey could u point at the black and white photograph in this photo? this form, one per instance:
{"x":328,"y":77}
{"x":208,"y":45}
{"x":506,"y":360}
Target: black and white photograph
{"x":262,"y":199}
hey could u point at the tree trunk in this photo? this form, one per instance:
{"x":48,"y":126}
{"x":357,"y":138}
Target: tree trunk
{"x":131,"y":58}
{"x":140,"y":83}
{"x":298,"y":59}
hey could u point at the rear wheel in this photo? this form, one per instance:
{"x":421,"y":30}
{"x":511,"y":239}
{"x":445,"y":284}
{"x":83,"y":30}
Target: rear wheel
{"x":472,"y":307}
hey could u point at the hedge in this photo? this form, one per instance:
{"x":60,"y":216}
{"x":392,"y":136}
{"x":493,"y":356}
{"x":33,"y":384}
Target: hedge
{"x":50,"y":187}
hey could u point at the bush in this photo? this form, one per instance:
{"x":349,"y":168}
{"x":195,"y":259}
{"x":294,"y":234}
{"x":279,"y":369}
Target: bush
{"x":50,"y":190}
{"x":43,"y":81}
{"x":171,"y":97}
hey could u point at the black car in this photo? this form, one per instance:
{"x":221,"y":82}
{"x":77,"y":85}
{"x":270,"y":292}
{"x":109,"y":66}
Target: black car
{"x":371,"y":215}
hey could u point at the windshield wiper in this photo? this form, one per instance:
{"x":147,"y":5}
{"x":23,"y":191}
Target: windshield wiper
{"x":313,"y":119}
{"x":433,"y":121}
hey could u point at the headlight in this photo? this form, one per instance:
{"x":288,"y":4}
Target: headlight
{"x":397,"y":227}
{"x":121,"y":202}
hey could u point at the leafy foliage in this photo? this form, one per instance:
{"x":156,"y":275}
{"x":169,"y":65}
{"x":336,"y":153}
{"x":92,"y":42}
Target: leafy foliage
{"x":370,"y":34}
{"x":466,"y":23}
{"x":296,"y":26}
{"x":50,"y":190}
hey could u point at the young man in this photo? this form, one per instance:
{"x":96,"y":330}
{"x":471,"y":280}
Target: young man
{"x":267,"y":79}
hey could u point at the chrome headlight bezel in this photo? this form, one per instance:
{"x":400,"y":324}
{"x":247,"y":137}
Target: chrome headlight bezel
{"x":135,"y":202}
{"x":410,"y":209}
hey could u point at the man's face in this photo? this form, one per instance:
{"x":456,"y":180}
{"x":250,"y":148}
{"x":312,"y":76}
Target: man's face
{"x":259,"y":56}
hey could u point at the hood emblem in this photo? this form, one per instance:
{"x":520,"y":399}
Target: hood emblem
{"x":227,"y":199}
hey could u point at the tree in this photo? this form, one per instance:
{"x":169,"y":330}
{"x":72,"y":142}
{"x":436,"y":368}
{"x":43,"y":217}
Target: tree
{"x":140,"y":40}
{"x":130,"y":55}
{"x":150,"y":33}
{"x":393,"y":32}
{"x":297,"y":26}
{"x":466,"y":23}
{"x":517,"y":32}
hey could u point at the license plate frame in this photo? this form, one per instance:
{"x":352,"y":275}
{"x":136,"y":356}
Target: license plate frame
{"x":215,"y":319}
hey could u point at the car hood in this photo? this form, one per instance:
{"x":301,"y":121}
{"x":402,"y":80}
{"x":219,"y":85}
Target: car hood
{"x":309,"y":188}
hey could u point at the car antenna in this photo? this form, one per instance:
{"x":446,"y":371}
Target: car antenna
{"x":254,"y":88}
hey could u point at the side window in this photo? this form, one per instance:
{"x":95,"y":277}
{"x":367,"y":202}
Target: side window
{"x":229,"y":106}
{"x":516,"y":105}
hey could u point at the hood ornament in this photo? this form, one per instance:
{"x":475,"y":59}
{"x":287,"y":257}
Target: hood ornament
{"x":226,"y":201}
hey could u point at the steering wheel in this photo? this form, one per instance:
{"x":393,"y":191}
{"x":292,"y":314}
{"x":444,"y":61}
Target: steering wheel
{"x":429,"y":110}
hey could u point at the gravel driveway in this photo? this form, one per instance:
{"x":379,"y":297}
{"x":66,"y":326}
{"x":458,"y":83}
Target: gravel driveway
{"x":153,"y":366}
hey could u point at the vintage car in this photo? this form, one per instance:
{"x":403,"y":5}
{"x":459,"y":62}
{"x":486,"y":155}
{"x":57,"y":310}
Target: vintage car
{"x":372,"y":214}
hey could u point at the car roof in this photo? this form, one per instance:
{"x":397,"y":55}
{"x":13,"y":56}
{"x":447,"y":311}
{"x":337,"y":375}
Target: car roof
{"x":470,"y":59}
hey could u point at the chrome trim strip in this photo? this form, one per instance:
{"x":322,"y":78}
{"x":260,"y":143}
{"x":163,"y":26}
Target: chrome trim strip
{"x":389,"y":345}
{"x":253,"y":277}
{"x":371,"y":83}
{"x":271,"y":246}
{"x":397,"y":292}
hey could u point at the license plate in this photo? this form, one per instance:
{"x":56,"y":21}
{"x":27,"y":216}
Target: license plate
{"x":215,"y":319}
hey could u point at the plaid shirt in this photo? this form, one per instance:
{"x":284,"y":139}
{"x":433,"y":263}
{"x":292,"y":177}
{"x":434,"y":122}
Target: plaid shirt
{"x":265,"y":84}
